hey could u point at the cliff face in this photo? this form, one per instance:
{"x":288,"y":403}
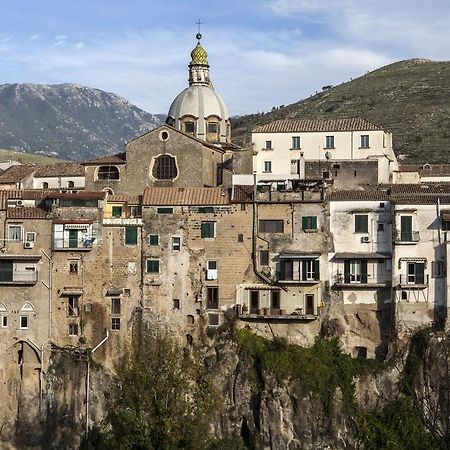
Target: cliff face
{"x":257,"y":406}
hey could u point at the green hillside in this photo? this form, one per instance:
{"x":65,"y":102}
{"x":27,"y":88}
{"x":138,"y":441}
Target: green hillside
{"x":410,"y":98}
{"x":27,"y":158}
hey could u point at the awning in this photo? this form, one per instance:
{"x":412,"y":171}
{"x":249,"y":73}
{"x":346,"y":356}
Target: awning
{"x":420,"y":260}
{"x":362,"y":255}
{"x":76,"y":226}
{"x":22,"y":257}
{"x":72,"y":292}
{"x":300,"y":255}
{"x":261,"y":287}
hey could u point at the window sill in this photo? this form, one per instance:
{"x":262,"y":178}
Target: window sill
{"x":311,"y":230}
{"x":266,"y":171}
{"x":266,"y":149}
{"x":329,"y":148}
{"x":363,"y":148}
{"x":295,"y":148}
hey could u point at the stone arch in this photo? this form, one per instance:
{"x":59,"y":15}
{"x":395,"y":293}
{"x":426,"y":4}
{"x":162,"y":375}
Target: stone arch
{"x":107,"y":173}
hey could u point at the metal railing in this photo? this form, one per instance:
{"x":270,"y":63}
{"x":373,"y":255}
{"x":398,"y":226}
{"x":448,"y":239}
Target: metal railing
{"x":412,"y":280}
{"x":21,"y":277}
{"x":63,"y":244}
{"x":412,"y":236}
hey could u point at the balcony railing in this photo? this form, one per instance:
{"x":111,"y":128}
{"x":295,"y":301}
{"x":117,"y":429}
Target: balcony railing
{"x":65,"y":244}
{"x":355,"y":281}
{"x":276,"y":313}
{"x":406,"y":237}
{"x":412,"y":281}
{"x":21,"y":277}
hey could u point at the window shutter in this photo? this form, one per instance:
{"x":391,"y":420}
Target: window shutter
{"x":314,"y":222}
{"x":304,"y":270}
{"x":131,"y":235}
{"x":347,"y":271}
{"x":203,"y":230}
{"x":316,"y":270}
{"x":420,"y":273}
{"x":304,"y":223}
{"x":364,"y":271}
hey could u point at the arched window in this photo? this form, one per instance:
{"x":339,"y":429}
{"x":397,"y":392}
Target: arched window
{"x":213,"y":129}
{"x":2,"y":307}
{"x":188,"y":124}
{"x":165,"y":168}
{"x":70,"y":184}
{"x":27,"y":307}
{"x":108,"y":173}
{"x":44,"y":185}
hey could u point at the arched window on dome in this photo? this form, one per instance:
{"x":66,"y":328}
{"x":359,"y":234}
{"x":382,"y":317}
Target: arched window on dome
{"x":164,"y":168}
{"x":108,"y":173}
{"x":188,"y":124}
{"x":213,"y":129}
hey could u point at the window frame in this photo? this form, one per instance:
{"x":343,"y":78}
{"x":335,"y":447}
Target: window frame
{"x":176,"y":247}
{"x":264,"y":226}
{"x":208,"y":229}
{"x":267,"y":167}
{"x":329,"y":141}
{"x":268,"y":145}
{"x":115,"y":323}
{"x":152,"y":270}
{"x":73,"y":330}
{"x":361,"y":227}
{"x":16,"y":226}
{"x":116,"y":306}
{"x":151,"y":237}
{"x":165,"y":168}
{"x":21,"y":325}
{"x":295,"y":143}
{"x":365,"y":141}
{"x":309,"y":223}
{"x":4,"y":323}
{"x":127,"y":237}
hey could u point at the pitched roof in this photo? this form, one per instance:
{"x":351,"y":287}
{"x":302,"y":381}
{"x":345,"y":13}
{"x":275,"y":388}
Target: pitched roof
{"x":426,"y":170}
{"x":309,"y":125}
{"x":119,"y":158}
{"x":26,"y":212}
{"x":418,"y":188}
{"x":60,"y":170}
{"x":15,"y":174}
{"x":242,"y":193}
{"x":84,"y":195}
{"x":194,"y":196}
{"x":358,"y":195}
{"x":32,"y":194}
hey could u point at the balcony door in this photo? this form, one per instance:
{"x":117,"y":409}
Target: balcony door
{"x":6,"y":270}
{"x":73,"y":238}
{"x":254,"y":302}
{"x":406,"y":228}
{"x":416,"y":273}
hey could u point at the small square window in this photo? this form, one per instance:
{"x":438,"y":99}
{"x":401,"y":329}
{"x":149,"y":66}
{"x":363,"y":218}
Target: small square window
{"x":329,"y":141}
{"x":361,"y":223}
{"x":240,"y":237}
{"x":213,"y":320}
{"x":117,"y":211}
{"x":164,"y":210}
{"x":153,"y":239}
{"x":131,"y":235}
{"x":365,"y":141}
{"x":267,"y":166}
{"x":268,"y":145}
{"x":4,"y":321}
{"x":189,"y":127}
{"x":309,"y":223}
{"x":115,"y":305}
{"x":73,"y":329}
{"x":208,"y":230}
{"x":23,"y":322}
{"x":176,"y":243}
{"x":30,"y":236}
{"x":176,"y":303}
{"x":381,"y":227}
{"x":152,"y":265}
{"x":73,"y":267}
{"x":295,"y":142}
{"x":115,"y":324}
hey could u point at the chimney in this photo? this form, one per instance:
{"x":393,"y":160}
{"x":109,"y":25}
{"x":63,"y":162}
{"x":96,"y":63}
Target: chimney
{"x":301,"y":163}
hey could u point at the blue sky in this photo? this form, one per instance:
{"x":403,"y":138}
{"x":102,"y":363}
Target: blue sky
{"x":262,"y":53}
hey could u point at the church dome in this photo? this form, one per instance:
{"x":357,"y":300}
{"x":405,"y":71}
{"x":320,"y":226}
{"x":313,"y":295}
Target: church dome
{"x":199,"y":109}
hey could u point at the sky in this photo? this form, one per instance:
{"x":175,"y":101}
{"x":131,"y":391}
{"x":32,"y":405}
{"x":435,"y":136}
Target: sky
{"x":262,"y":53}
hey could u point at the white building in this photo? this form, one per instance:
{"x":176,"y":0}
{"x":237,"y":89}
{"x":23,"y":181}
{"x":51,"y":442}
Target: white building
{"x":279,"y":146}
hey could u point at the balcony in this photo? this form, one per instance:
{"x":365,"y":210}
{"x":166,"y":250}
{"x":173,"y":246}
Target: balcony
{"x":412,"y":281}
{"x":76,"y":245}
{"x":268,"y":314}
{"x":359,"y":282}
{"x":18,"y":277}
{"x":406,"y":237}
{"x":122,"y":221}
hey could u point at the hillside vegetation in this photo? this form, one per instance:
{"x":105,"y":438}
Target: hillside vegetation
{"x":410,"y":98}
{"x":27,"y":158}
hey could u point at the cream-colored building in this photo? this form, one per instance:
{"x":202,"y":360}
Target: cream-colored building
{"x":279,"y":147}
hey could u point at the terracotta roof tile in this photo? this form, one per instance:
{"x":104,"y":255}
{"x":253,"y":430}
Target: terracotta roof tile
{"x":119,"y":158}
{"x":26,"y":212}
{"x":358,"y":195}
{"x":310,"y":125}
{"x":242,"y":193}
{"x":60,"y":170}
{"x":14,"y":174}
{"x":156,"y":196}
{"x":426,"y":170}
{"x":34,"y":194}
{"x":420,"y":188}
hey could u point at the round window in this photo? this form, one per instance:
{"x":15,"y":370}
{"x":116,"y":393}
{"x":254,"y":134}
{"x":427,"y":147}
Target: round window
{"x":164,"y":135}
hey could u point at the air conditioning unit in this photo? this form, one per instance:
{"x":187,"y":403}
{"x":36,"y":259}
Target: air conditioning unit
{"x":365,"y":239}
{"x":28,"y":244}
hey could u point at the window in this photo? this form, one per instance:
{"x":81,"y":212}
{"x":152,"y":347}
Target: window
{"x":211,"y":270}
{"x":309,"y":223}
{"x":416,"y":273}
{"x":365,"y":141}
{"x":380,"y":226}
{"x":152,"y":265}
{"x":115,"y":305}
{"x":355,"y":271}
{"x":30,"y":236}
{"x":267,"y":166}
{"x":326,"y":175}
{"x":116,"y":211}
{"x":189,"y":127}
{"x":70,"y":184}
{"x":176,"y":243}
{"x":108,"y":173}
{"x":299,"y":270}
{"x":164,"y":210}
{"x":240,"y":237}
{"x":268,"y":145}
{"x":176,"y":303}
{"x":73,"y":329}
{"x":212,"y":297}
{"x":115,"y":324}
{"x":309,"y":304}
{"x":165,"y":168}
{"x":295,"y":142}
{"x":73,"y":266}
{"x":4,"y":321}
{"x":208,"y":230}
{"x":15,"y":232}
{"x":406,"y":233}
{"x":130,"y":235}
{"x":206,"y":209}
{"x":23,"y":322}
{"x":361,"y":223}
{"x":44,"y":185}
{"x":213,"y":127}
{"x":275,"y":299}
{"x":153,"y":239}
{"x":264,"y":257}
{"x":329,"y":141}
{"x":271,"y":226}
{"x":219,"y":174}
{"x":73,"y":306}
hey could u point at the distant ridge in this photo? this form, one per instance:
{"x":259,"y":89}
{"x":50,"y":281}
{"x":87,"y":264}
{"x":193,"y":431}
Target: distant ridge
{"x":68,"y":121}
{"x":411,"y":98}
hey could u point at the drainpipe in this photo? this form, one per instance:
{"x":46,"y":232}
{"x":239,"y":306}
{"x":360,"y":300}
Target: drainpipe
{"x":41,"y":351}
{"x":49,"y":288}
{"x":88,"y":375}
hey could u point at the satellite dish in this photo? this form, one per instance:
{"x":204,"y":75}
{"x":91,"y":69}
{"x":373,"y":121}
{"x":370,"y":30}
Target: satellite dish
{"x":328,"y":155}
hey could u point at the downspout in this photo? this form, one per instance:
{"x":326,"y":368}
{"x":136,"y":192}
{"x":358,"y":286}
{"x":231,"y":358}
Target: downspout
{"x":88,"y":377}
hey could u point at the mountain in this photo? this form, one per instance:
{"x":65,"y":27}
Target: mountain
{"x":68,"y":120}
{"x":410,"y":98}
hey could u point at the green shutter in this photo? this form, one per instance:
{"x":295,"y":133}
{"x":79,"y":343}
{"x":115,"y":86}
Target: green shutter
{"x":304,"y":223}
{"x":203,"y":230}
{"x":316,"y":270}
{"x":130,"y":235}
{"x":361,"y":223}
{"x":153,"y":239}
{"x":364,"y":271}
{"x":314,"y":222}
